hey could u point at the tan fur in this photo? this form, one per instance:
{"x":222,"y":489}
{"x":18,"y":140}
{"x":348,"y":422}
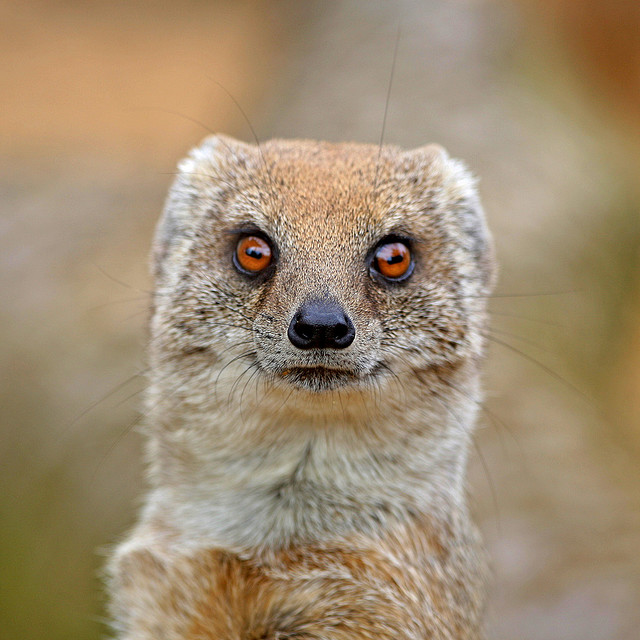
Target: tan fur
{"x":310,"y":493}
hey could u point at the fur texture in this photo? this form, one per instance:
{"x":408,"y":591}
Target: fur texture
{"x":310,"y":493}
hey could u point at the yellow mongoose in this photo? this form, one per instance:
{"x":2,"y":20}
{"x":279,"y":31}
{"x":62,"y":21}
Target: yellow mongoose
{"x":316,"y":344}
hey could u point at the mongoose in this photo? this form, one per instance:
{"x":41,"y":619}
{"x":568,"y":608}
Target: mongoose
{"x":316,"y":342}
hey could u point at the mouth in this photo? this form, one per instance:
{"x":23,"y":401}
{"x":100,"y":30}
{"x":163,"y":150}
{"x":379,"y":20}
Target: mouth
{"x":319,"y":378}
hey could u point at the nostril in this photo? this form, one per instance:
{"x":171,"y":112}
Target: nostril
{"x":343,"y":334}
{"x":340,"y":330}
{"x":302,"y":329}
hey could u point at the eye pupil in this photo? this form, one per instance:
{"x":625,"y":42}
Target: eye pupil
{"x":253,"y":254}
{"x":393,"y":260}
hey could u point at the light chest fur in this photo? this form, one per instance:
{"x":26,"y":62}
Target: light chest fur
{"x":309,"y":421}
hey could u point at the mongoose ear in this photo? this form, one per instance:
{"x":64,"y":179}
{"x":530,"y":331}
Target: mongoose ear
{"x":454,"y":188}
{"x":431,"y":154}
{"x":205,"y":172}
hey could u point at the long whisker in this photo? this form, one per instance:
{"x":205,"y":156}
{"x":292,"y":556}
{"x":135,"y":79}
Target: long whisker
{"x":517,"y":316}
{"x":175,"y":113}
{"x":124,"y":432}
{"x":120,"y":282}
{"x":490,"y":414}
{"x":236,"y":382}
{"x":212,"y":132}
{"x":455,"y":417}
{"x":542,"y":366}
{"x":244,"y":354}
{"x":386,"y":109}
{"x":253,"y":133}
{"x":539,"y":294}
{"x":396,"y":379}
{"x":492,"y":486}
{"x":515,"y":336}
{"x":256,"y":371}
{"x":104,"y":398}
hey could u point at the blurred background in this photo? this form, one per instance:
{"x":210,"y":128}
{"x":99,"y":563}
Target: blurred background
{"x":540,"y":97}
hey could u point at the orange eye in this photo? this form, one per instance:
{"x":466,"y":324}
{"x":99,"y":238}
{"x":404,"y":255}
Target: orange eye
{"x":253,"y":254}
{"x":393,"y":260}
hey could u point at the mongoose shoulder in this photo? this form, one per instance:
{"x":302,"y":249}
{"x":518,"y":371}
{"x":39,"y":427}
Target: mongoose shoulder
{"x":316,"y":345}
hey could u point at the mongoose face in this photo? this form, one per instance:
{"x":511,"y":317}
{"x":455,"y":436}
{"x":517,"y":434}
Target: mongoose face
{"x":320,"y":268}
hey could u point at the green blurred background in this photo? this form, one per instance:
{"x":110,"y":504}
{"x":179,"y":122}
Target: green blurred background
{"x":541,"y":98}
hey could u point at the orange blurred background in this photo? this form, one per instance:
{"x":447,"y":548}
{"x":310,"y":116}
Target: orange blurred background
{"x":542,"y":99}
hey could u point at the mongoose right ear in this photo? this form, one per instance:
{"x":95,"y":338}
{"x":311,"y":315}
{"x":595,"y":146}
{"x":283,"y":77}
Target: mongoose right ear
{"x":203,"y":173}
{"x":455,"y":187}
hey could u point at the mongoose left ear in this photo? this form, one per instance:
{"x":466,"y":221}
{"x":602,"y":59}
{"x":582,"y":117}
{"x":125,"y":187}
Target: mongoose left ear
{"x":205,"y":170}
{"x":426,"y":161}
{"x":431,"y":153}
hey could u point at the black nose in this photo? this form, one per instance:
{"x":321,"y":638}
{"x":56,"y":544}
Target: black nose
{"x":321,"y":325}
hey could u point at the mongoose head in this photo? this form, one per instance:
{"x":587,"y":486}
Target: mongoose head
{"x":318,"y":322}
{"x":315,"y":269}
